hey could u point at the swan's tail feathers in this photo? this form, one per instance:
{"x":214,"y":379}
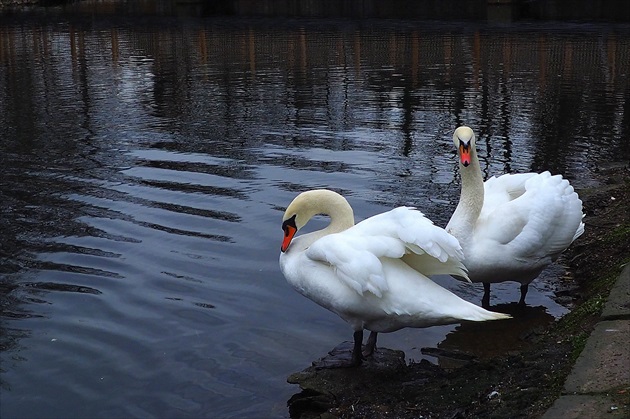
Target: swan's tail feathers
{"x":579,"y":231}
{"x":573,"y":208}
{"x":558,"y":212}
{"x":482,"y":315}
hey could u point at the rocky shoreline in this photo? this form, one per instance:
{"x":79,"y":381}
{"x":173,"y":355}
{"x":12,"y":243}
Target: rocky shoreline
{"x":511,"y":385}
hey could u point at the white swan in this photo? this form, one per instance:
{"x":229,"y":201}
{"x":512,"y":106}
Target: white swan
{"x":512,"y":226}
{"x":363,"y":272}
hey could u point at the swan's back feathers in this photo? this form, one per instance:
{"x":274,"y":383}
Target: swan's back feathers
{"x":537,"y":225}
{"x":503,"y":189}
{"x":356,"y":253}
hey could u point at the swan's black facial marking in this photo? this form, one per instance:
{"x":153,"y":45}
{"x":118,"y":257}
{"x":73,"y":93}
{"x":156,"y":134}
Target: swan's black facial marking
{"x":290,"y":228}
{"x":290,"y":222}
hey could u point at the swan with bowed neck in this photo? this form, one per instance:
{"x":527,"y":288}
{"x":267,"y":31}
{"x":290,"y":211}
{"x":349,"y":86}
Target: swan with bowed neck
{"x":512,"y":226}
{"x":374,"y":274}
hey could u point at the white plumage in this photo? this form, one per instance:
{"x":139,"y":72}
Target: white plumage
{"x":374,"y":274}
{"x":512,"y":226}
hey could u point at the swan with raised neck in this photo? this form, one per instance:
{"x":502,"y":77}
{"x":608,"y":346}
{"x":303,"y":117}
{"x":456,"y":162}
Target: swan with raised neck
{"x":512,"y":226}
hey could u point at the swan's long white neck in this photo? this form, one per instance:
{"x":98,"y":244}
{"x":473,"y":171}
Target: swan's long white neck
{"x":325,"y":202}
{"x":341,"y":218}
{"x":462,"y":222}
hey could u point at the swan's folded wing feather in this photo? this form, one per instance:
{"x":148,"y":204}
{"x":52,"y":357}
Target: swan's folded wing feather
{"x":427,"y":248}
{"x":355,"y":259}
{"x":356,"y":253}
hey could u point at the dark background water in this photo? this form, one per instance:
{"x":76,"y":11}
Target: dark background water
{"x":146,"y":159}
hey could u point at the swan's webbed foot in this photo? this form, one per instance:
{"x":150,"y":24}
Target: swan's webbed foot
{"x":485,"y":300}
{"x":524,"y":289}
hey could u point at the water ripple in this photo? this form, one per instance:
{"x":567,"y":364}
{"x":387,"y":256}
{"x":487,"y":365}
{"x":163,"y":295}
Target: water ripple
{"x":51,"y":286}
{"x":146,"y":166}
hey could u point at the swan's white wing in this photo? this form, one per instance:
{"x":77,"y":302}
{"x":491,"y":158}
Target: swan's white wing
{"x":356,"y":253}
{"x":417,"y":233}
{"x":529,"y":217}
{"x":429,"y":249}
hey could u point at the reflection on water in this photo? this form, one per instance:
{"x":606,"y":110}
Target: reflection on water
{"x":145,"y":164}
{"x":485,"y":341}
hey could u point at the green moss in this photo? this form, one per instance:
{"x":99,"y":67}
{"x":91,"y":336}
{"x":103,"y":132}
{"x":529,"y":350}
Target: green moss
{"x":578,"y":342}
{"x":619,"y":235}
{"x":600,"y":285}
{"x":574,"y":322}
{"x":575,"y":326}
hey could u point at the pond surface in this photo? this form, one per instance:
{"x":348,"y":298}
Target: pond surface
{"x":146,"y":162}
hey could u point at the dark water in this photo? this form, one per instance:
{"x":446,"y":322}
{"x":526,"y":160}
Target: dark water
{"x":146,"y":162}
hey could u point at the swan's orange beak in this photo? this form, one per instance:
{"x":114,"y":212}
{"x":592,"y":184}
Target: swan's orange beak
{"x":289,"y":229}
{"x":464,"y":153}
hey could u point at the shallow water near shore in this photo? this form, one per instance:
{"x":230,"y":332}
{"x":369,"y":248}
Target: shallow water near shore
{"x":146,"y":163}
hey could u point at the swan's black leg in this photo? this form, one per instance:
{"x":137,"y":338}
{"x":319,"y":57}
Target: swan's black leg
{"x":485,"y":301}
{"x":524,"y":289}
{"x":370,"y":345}
{"x":357,"y":356}
{"x":339,"y":359}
